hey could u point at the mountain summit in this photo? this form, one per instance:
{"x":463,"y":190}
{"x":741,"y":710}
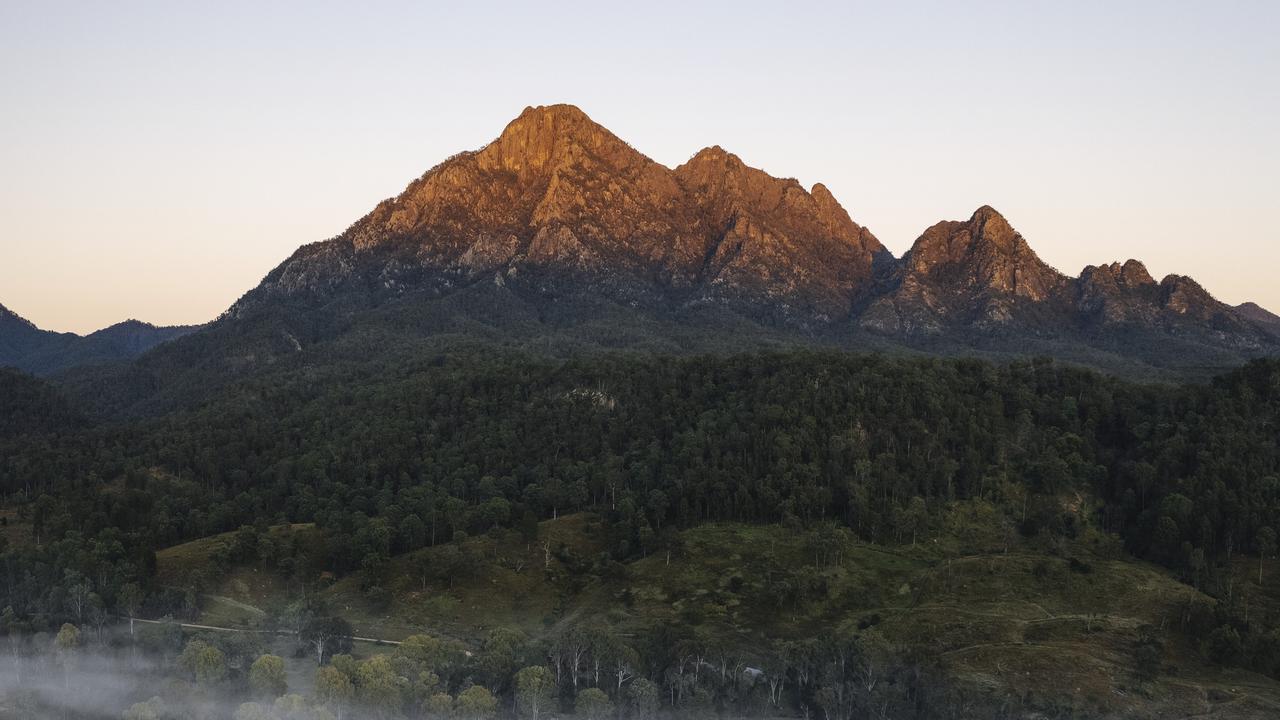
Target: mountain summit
{"x":561,"y":237}
{"x":975,"y":273}
{"x":559,"y":206}
{"x":559,"y":198}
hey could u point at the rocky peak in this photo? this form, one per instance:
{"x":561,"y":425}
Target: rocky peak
{"x":832,"y":212}
{"x":554,"y":188}
{"x":836,"y":219}
{"x":723,"y":184}
{"x":1184,"y":296}
{"x":1134,"y":273}
{"x":1115,"y":277}
{"x":773,"y":237}
{"x":558,"y":192}
{"x":1117,"y":293}
{"x":990,"y":226}
{"x":983,"y":254}
{"x":979,"y":272}
{"x":551,"y":136}
{"x":714,"y":157}
{"x":716,"y":174}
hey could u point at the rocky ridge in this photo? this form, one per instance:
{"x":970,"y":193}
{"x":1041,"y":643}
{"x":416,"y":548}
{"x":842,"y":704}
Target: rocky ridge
{"x":560,"y":197}
{"x":558,"y":234}
{"x":559,"y":204}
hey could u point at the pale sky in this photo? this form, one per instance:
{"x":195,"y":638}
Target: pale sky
{"x":157,"y":159}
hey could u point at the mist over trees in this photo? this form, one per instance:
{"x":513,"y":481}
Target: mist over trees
{"x":233,"y":675}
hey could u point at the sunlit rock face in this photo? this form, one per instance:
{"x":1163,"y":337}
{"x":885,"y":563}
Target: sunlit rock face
{"x":557,"y":204}
{"x":1117,"y":293}
{"x":980,"y":272}
{"x":558,"y":194}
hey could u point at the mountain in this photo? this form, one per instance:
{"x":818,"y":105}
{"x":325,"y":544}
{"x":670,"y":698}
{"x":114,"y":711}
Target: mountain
{"x":979,"y":273}
{"x":562,"y":201}
{"x":1260,"y":316}
{"x":44,"y":352}
{"x":18,"y":335}
{"x":558,"y":204}
{"x":1127,"y":294}
{"x":560,"y":238}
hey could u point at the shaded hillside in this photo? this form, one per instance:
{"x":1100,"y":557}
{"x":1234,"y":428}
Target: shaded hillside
{"x":1260,"y":316}
{"x":43,"y":352}
{"x":29,"y":406}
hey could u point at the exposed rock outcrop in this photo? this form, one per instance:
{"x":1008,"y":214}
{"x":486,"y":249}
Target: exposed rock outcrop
{"x":557,"y":193}
{"x":980,"y":272}
{"x":559,"y":205}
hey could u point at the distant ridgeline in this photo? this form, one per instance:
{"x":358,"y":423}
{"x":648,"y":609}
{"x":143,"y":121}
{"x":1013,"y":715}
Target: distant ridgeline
{"x":42,"y":352}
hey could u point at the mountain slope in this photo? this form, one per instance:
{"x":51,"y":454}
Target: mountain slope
{"x":1260,"y":316}
{"x":30,"y":406}
{"x":776,"y":241}
{"x":43,"y":352}
{"x":18,"y":336}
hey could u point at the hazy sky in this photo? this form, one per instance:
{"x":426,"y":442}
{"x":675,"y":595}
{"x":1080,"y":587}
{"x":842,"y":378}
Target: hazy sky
{"x":157,"y":159}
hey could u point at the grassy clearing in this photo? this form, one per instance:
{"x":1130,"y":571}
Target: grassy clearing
{"x":176,"y":564}
{"x":1054,"y":625}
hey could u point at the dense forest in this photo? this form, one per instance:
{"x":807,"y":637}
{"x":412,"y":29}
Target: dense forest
{"x":390,"y":459}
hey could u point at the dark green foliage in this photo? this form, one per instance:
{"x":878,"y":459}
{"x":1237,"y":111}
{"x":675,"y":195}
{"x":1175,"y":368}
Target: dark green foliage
{"x":1148,"y":654}
{"x":43,"y":352}
{"x":31,"y":407}
{"x":1223,"y":646}
{"x":389,"y":457}
{"x":327,"y":636}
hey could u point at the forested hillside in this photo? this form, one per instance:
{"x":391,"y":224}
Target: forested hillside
{"x":390,"y":460}
{"x":43,"y":352}
{"x":463,"y":442}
